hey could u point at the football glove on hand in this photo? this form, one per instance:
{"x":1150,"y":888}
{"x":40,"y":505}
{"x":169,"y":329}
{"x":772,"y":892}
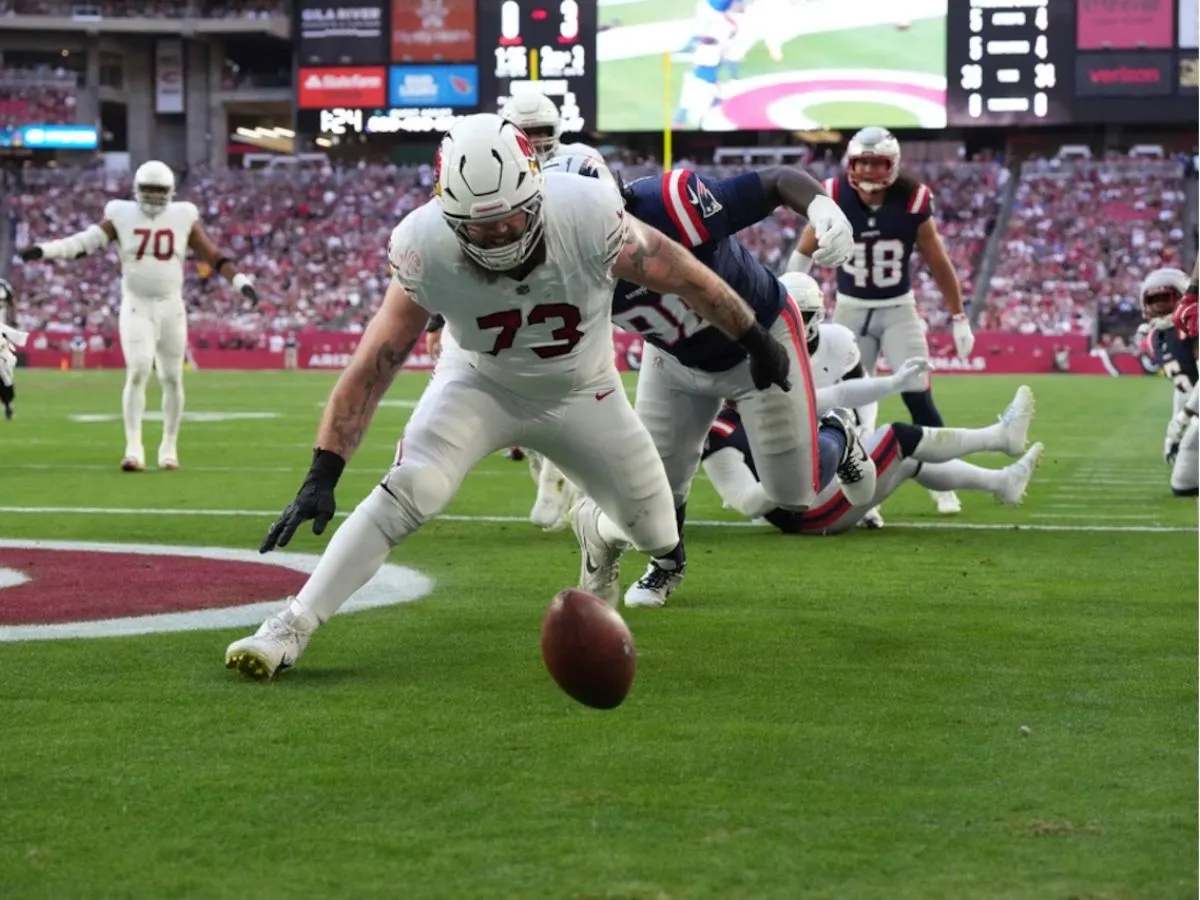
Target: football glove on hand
{"x":913,"y":376}
{"x":964,"y":337}
{"x":314,"y":501}
{"x":835,"y":236}
{"x":29,"y":254}
{"x":244,"y":286}
{"x":769,"y":361}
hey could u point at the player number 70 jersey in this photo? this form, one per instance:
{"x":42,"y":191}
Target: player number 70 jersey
{"x":152,"y":249}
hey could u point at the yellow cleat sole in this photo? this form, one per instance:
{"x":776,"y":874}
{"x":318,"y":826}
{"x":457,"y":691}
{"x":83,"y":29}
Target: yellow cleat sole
{"x":249,"y":665}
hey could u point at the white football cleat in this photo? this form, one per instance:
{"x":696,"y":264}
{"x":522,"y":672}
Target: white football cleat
{"x":653,"y":588}
{"x":873,"y":519}
{"x":168,"y":462}
{"x":600,"y":568}
{"x":947,"y":502}
{"x":132,"y":463}
{"x":276,"y":645}
{"x":856,"y":471}
{"x":550,"y":509}
{"x":1015,"y":422}
{"x":1018,"y":475}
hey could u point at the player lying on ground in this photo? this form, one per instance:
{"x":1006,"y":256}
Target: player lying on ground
{"x":521,"y":265}
{"x":1161,"y":296}
{"x":892,"y":215}
{"x":930,"y":456}
{"x":154,"y":234}
{"x":689,"y":368}
{"x":10,"y":339}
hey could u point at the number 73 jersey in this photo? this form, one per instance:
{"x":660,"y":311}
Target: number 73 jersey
{"x":153,"y":249}
{"x":884,"y":238}
{"x":547,"y":335}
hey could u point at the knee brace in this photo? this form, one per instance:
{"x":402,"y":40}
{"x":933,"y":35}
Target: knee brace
{"x":921,"y":408}
{"x":418,"y":492}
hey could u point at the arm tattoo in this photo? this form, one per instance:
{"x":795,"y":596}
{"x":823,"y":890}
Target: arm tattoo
{"x":356,"y":397}
{"x":667,"y":268}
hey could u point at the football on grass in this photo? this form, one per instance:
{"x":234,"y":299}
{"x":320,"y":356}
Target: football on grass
{"x":588,"y":649}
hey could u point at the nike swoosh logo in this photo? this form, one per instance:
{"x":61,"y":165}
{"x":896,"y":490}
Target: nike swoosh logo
{"x":589,"y":565}
{"x":600,"y":395}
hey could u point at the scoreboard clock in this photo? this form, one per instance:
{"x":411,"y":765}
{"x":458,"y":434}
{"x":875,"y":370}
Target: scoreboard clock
{"x":543,"y":46}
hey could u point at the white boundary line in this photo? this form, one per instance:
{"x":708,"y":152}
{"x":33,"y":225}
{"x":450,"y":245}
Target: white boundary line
{"x":703,"y":523}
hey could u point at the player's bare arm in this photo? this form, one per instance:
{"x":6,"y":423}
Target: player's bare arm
{"x":933,"y":251}
{"x":651,"y":259}
{"x":385,"y":345}
{"x":793,"y":188}
{"x":387,"y":342}
{"x":82,"y":243}
{"x":206,"y":249}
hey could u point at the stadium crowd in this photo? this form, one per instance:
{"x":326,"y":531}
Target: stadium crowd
{"x":1080,"y":238}
{"x":44,"y":96}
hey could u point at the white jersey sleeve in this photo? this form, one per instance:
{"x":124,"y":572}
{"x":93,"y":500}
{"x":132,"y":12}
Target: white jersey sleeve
{"x":153,"y":249}
{"x":595,"y":214}
{"x":406,"y":252}
{"x":576,"y":149}
{"x":836,"y":354}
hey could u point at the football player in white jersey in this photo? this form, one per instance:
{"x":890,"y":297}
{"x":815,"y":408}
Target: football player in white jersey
{"x":539,"y":118}
{"x":522,"y":266}
{"x":154,"y":233}
{"x":10,"y":339}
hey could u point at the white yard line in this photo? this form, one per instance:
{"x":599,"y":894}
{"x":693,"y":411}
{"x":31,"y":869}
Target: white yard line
{"x":704,"y":523}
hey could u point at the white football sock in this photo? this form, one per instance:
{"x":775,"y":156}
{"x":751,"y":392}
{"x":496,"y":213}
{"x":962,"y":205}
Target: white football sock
{"x":133,"y":407}
{"x":944,"y":444}
{"x":172,"y":391}
{"x":957,"y":475}
{"x":355,"y":552}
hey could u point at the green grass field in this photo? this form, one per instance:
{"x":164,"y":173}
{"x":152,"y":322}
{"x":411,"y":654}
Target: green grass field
{"x":812,"y":717}
{"x":630,"y":80}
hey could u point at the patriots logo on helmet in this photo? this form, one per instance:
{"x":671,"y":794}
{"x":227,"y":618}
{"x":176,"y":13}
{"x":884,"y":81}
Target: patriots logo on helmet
{"x":704,"y":200}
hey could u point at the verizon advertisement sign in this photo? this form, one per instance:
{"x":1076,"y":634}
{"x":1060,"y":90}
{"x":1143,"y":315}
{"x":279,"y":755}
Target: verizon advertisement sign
{"x":342,"y":32}
{"x":322,"y":88}
{"x":1124,"y":74}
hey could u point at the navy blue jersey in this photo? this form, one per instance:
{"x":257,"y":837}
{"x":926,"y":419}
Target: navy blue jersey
{"x":1177,"y":358}
{"x":884,"y":238}
{"x":704,"y":217}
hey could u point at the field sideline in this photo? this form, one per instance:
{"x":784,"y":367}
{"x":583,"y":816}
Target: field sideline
{"x":812,"y":717}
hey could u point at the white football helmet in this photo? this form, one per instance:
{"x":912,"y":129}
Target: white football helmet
{"x":1160,"y":294}
{"x":873,"y":144}
{"x":486,"y":171}
{"x":538,"y":117}
{"x":588,"y":166}
{"x":807,"y":293}
{"x":153,"y":186}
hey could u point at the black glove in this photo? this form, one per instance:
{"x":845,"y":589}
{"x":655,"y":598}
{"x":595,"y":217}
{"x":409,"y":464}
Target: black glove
{"x":29,"y":254}
{"x":769,"y":362}
{"x":250,"y":293}
{"x":314,"y":501}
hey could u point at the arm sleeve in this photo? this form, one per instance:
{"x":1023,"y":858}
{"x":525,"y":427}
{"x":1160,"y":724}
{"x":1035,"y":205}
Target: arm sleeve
{"x":405,"y":260}
{"x":82,"y":243}
{"x":733,"y":480}
{"x":854,"y":393}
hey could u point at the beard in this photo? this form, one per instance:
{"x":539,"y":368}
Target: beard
{"x":517,"y":273}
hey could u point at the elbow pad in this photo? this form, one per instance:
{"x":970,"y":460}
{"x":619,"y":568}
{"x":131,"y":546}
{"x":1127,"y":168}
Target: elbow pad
{"x":84,"y":243}
{"x":799,"y":263}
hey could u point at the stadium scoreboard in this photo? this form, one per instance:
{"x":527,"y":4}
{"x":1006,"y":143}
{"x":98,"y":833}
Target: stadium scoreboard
{"x":419,"y":65}
{"x":416,"y":66}
{"x":1059,"y":62}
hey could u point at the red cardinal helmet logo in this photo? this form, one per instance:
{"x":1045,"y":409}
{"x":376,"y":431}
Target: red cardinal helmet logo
{"x":437,"y":173}
{"x":526,"y":147}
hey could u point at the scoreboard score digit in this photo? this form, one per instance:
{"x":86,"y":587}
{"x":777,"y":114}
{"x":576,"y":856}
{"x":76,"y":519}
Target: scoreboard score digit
{"x":1009,"y":62}
{"x":548,"y":47}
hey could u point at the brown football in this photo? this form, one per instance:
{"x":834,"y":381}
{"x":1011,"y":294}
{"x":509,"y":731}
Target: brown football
{"x":588,"y":649}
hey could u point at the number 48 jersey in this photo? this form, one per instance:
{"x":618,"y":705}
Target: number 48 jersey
{"x":152,"y":248}
{"x":884,"y":238}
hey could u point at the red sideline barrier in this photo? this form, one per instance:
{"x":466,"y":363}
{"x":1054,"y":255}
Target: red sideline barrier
{"x":994,"y":353}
